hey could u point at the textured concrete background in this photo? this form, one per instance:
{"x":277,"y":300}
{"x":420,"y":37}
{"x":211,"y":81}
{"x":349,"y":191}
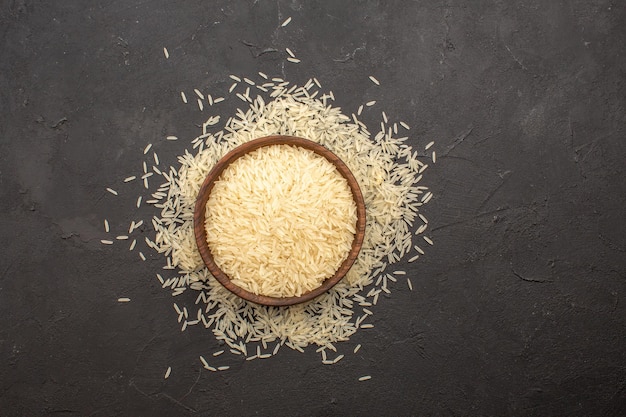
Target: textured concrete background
{"x":519,"y":307}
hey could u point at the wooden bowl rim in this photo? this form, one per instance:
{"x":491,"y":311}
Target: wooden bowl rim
{"x":205,"y":192}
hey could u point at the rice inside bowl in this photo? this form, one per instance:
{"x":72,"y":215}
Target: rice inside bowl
{"x":280,"y":220}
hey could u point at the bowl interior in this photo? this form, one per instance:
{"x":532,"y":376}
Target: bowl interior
{"x":205,"y":192}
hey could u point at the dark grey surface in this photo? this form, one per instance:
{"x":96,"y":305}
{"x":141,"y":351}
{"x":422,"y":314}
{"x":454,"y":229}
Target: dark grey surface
{"x":519,"y":307}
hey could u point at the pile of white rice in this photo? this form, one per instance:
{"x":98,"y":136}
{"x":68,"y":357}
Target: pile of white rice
{"x":387,"y":169}
{"x":280,"y":220}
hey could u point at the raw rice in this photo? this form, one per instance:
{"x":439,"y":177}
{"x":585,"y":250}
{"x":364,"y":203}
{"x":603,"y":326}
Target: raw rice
{"x":429,"y":145}
{"x":365,"y":378}
{"x":106,"y":242}
{"x":374,"y":80}
{"x":123,"y":300}
{"x":183,"y":96}
{"x":286,"y":22}
{"x":338,"y":358}
{"x":166,"y":53}
{"x":106,"y":226}
{"x":129,"y":179}
{"x":294,"y":60}
{"x":171,"y":138}
{"x":112,"y":191}
{"x":147,"y":148}
{"x":388,"y":175}
{"x":168,"y":372}
{"x":315,"y":202}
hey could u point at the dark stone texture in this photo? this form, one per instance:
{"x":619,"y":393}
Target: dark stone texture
{"x":519,"y":307}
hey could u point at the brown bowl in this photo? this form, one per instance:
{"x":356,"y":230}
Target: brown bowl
{"x":205,"y":192}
